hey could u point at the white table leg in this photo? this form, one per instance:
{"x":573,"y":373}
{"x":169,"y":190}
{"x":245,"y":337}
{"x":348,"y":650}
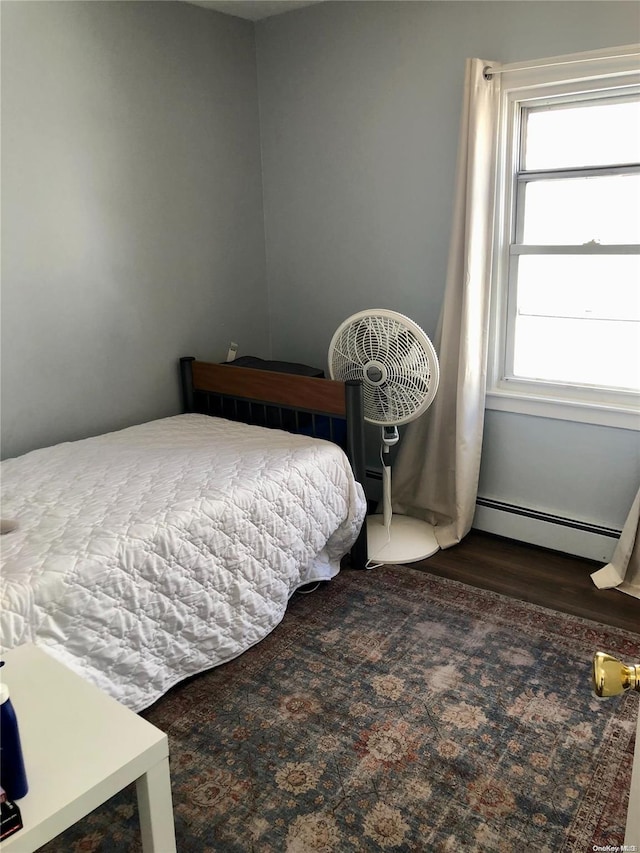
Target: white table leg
{"x":155,"y":810}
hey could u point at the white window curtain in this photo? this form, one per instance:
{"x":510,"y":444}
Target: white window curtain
{"x":437,"y":469}
{"x":623,"y":572}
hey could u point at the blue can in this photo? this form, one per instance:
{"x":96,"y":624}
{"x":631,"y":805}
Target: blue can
{"x":13,"y":777}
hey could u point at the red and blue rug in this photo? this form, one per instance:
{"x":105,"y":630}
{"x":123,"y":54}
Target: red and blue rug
{"x":395,"y":711}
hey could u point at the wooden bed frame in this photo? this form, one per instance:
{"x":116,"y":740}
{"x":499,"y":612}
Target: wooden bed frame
{"x":321,"y":408}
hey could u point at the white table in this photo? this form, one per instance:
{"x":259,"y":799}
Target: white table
{"x":80,"y":748}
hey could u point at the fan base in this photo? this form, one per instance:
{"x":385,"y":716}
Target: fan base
{"x":411,"y":539}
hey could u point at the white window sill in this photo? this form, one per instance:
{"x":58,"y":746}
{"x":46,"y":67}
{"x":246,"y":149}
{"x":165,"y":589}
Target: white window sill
{"x":579,"y":411}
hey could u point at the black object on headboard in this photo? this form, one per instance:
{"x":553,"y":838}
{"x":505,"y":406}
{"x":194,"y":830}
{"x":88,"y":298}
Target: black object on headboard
{"x":320,"y":408}
{"x":276,"y":366}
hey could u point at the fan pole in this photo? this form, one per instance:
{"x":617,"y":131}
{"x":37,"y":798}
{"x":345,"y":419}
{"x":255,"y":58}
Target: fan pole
{"x":397,"y":538}
{"x":386,"y":493}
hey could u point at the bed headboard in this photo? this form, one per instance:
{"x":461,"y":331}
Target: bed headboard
{"x":321,"y":408}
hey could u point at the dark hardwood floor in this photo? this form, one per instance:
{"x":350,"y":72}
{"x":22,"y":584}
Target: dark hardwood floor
{"x":548,"y":578}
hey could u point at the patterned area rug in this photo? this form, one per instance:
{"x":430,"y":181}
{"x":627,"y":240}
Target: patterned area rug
{"x":393,"y":710}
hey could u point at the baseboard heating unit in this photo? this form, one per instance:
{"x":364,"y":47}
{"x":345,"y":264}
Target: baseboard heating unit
{"x":570,"y":535}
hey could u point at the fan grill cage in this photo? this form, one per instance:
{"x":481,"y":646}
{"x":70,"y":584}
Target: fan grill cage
{"x":394,"y":359}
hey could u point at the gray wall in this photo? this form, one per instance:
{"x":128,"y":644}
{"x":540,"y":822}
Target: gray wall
{"x":360,"y":106}
{"x":132,"y":222}
{"x":132,"y":218}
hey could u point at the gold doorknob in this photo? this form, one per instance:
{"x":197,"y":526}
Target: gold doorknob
{"x":611,"y":676}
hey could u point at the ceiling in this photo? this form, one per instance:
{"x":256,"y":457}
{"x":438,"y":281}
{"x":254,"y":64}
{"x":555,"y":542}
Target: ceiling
{"x":253,"y":10}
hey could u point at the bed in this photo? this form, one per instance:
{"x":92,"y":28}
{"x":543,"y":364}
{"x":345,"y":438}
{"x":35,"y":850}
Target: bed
{"x":147,"y":555}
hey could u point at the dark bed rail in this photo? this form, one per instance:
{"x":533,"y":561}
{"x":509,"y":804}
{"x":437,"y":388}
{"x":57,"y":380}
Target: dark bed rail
{"x":356,"y":452}
{"x":286,"y":401}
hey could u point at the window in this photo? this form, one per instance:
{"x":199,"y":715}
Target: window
{"x":566,"y":322}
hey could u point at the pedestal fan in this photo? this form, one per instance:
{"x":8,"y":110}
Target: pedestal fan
{"x":398,"y":366}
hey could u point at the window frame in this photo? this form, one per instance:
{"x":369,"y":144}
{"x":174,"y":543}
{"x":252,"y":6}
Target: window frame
{"x":547,"y":83}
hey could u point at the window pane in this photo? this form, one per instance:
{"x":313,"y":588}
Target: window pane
{"x":582,"y":210}
{"x":578,"y":320}
{"x":588,"y":134}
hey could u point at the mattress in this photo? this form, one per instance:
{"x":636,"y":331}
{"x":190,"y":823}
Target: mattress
{"x":151,"y":554}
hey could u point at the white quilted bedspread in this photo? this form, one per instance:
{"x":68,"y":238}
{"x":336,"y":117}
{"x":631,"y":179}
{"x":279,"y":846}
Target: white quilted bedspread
{"x":150,"y":554}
